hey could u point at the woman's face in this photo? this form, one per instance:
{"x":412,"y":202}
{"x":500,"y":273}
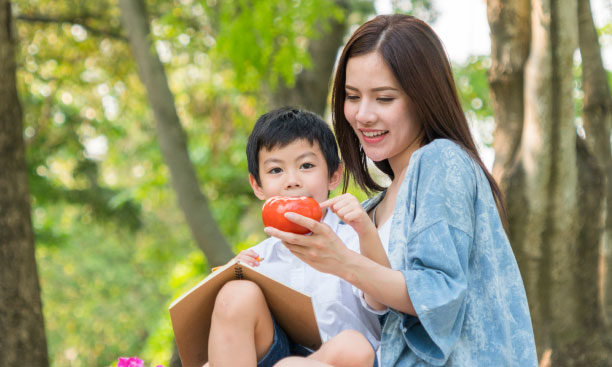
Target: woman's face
{"x":379,"y":111}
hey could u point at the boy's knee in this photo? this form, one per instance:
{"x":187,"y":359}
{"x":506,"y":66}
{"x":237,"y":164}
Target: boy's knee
{"x":287,"y":362}
{"x":236,"y":298}
{"x":362,"y":353}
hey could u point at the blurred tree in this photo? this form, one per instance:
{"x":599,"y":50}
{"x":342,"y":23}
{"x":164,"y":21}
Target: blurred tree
{"x":311,"y":87}
{"x":23,"y":340}
{"x":553,"y":178}
{"x":171,"y":136}
{"x":597,"y":124}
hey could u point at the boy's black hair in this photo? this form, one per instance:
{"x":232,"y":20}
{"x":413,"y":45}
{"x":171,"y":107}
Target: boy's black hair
{"x":283,"y":126}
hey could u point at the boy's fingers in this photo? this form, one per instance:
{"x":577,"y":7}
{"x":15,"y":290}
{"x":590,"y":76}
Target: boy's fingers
{"x":251,"y":253}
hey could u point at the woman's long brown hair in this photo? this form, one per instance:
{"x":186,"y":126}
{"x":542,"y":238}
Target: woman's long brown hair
{"x":415,"y":55}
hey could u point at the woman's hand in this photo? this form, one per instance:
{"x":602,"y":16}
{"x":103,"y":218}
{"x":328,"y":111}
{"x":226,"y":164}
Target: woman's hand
{"x":349,"y":209}
{"x":249,"y":257}
{"x":322,"y":248}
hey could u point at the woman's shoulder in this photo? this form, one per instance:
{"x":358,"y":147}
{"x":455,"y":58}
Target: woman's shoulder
{"x":442,"y":185}
{"x":444,"y":149}
{"x":443,"y":157}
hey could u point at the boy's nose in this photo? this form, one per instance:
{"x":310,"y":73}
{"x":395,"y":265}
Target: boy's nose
{"x":292,"y":180}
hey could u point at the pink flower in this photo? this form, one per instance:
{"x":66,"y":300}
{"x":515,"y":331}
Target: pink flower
{"x":130,"y":362}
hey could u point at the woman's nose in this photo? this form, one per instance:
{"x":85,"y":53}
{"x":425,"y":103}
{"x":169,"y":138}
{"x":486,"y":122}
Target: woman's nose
{"x":365,"y":114}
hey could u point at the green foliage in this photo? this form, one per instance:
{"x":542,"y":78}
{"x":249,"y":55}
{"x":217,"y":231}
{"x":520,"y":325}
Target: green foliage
{"x":473,"y":88}
{"x":265,"y":41}
{"x":101,"y":289}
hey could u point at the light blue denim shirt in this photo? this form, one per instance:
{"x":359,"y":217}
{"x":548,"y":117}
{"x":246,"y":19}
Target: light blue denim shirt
{"x":448,"y":241}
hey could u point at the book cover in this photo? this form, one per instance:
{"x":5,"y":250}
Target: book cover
{"x":191,"y":313}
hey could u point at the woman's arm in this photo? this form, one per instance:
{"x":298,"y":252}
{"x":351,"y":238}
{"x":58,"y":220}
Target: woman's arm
{"x":349,"y":209}
{"x":325,"y":251}
{"x":380,"y":284}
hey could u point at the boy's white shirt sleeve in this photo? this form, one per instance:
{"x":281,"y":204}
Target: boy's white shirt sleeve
{"x":359,"y":294}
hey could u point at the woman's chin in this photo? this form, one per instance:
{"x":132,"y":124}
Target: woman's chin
{"x":375,"y":156}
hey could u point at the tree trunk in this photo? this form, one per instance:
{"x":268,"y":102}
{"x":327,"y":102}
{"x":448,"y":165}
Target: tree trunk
{"x":22,"y":341}
{"x":510,"y":34}
{"x":510,"y":24}
{"x":311,"y":88}
{"x":172,"y":137}
{"x":552,"y":180}
{"x":597,"y":120}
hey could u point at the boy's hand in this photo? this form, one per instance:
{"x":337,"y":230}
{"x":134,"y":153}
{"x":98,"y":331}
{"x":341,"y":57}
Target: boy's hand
{"x":249,"y":257}
{"x":348,"y":208}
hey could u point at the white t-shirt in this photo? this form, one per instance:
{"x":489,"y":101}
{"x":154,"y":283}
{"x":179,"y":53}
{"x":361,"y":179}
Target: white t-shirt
{"x":336,"y":306}
{"x":383,"y":232}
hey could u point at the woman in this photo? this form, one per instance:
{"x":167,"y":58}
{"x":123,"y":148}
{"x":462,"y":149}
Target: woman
{"x":435,"y":260}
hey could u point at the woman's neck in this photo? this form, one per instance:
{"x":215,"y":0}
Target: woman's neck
{"x":399,"y":163}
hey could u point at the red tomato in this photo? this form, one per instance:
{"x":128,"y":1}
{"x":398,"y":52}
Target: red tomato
{"x":275,"y":207}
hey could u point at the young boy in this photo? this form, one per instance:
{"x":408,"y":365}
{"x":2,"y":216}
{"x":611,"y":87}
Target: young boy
{"x":292,"y":152}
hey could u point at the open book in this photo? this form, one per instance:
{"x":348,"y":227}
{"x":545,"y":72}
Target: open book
{"x":191,"y":313}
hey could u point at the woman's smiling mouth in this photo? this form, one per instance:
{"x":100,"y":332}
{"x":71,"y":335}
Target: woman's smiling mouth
{"x":373,"y":136}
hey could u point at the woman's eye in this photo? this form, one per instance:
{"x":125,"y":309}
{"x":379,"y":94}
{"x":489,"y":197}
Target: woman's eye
{"x":275,"y":170}
{"x":352,"y":98}
{"x":307,"y":165}
{"x":385,"y":99}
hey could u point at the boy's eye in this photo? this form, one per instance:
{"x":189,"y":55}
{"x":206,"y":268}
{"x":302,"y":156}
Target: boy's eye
{"x":307,"y":165}
{"x":275,"y":170}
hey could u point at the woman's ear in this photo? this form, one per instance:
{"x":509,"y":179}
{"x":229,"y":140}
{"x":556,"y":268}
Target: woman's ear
{"x":335,"y":178}
{"x":257,"y":190}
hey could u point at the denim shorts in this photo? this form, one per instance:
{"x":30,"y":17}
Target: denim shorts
{"x":283,"y":347}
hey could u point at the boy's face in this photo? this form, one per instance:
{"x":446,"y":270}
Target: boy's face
{"x":297,"y":169}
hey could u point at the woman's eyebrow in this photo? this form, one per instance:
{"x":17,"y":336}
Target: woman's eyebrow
{"x":377,"y":89}
{"x":380,"y":89}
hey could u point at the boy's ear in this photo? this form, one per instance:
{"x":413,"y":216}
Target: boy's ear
{"x":335,"y":178}
{"x":257,"y":190}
